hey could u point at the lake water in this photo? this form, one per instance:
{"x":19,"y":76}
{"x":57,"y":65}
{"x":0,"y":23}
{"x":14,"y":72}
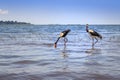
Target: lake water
{"x":27,"y":53}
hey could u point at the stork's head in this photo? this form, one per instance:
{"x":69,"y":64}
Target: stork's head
{"x":87,"y":27}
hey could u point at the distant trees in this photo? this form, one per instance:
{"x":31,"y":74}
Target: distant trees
{"x":12,"y":22}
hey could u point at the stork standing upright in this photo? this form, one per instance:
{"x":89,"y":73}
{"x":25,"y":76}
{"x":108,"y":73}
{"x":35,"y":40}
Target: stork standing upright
{"x":62,"y":34}
{"x":94,"y":35}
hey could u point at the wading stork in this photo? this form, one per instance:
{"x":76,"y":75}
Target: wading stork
{"x":94,"y":35}
{"x":62,"y":35}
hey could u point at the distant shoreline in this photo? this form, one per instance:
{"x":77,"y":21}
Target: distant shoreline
{"x":13,"y":22}
{"x":25,"y":23}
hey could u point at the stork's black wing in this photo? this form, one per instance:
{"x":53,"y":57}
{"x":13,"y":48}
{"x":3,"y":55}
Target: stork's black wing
{"x":65,"y":32}
{"x":94,"y":33}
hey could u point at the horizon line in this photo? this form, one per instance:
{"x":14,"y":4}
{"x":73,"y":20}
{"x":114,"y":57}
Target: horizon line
{"x":74,"y":24}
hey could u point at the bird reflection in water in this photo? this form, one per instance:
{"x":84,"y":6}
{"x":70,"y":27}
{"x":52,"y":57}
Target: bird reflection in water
{"x":93,"y":51}
{"x":90,"y":51}
{"x":64,"y":59}
{"x":64,"y":52}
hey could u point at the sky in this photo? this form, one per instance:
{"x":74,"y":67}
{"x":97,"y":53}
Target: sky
{"x":61,"y":11}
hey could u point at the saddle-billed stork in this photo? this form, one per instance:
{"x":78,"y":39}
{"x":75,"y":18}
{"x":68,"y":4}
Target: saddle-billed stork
{"x":62,"y":35}
{"x":94,"y":35}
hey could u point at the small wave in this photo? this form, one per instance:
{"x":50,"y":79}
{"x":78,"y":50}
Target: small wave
{"x":25,"y":62}
{"x":8,"y":56}
{"x":4,"y":64}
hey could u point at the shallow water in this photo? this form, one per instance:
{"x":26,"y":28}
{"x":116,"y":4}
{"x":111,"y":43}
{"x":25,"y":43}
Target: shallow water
{"x":27,"y":53}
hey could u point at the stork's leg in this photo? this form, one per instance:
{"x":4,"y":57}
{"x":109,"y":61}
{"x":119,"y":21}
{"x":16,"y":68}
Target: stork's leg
{"x":65,"y":41}
{"x":96,"y":40}
{"x":92,"y":42}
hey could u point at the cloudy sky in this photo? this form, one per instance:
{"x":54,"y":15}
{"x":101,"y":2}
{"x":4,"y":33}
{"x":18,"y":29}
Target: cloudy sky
{"x":61,"y":11}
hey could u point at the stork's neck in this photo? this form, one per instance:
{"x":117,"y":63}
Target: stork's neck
{"x":57,"y":40}
{"x":87,"y":28}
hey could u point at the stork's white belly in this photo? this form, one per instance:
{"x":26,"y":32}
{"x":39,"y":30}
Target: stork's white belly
{"x":91,"y":31}
{"x":61,"y":34}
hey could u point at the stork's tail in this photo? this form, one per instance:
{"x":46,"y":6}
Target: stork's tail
{"x":100,"y":36}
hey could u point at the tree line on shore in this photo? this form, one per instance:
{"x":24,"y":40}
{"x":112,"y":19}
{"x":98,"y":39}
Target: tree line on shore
{"x":12,"y":22}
